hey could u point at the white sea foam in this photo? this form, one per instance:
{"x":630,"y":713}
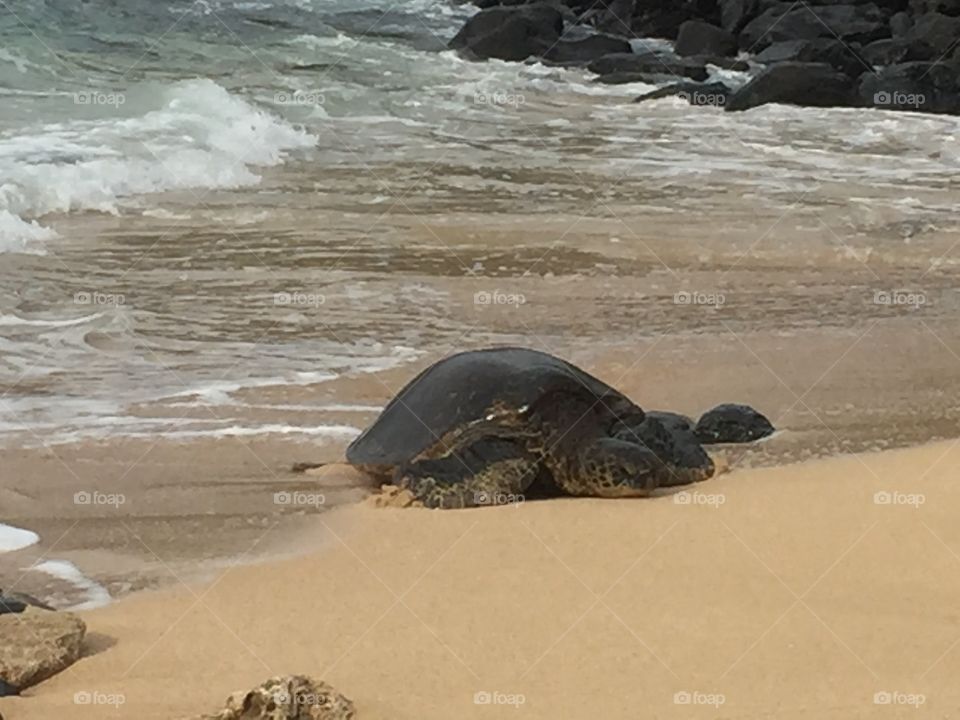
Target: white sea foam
{"x":335,"y":431}
{"x":13,"y":538}
{"x":17,"y":320}
{"x":219,"y":392}
{"x":24,"y":236}
{"x":96,"y":594}
{"x":200,"y":136}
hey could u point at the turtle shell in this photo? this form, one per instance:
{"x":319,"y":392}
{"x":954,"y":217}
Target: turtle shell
{"x":462,"y":389}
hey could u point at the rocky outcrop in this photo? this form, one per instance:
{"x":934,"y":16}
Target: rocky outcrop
{"x":7,"y":690}
{"x":38,"y":644}
{"x":510,"y":33}
{"x":820,"y":53}
{"x":732,"y":424}
{"x":292,"y":697}
{"x":811,"y":84}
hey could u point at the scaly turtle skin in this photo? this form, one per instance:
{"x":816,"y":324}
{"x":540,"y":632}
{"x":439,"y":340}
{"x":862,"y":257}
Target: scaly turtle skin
{"x":672,"y":438}
{"x":482,"y":427}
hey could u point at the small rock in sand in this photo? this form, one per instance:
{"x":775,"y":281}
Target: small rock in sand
{"x":11,"y":600}
{"x":292,"y":697}
{"x":38,"y":644}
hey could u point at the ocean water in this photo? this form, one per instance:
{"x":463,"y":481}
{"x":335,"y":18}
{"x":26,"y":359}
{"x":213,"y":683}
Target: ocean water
{"x":203,"y":198}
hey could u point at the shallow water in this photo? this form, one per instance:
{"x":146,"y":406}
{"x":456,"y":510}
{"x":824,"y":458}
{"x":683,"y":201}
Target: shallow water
{"x":202,"y":200}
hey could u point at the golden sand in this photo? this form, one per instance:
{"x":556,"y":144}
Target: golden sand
{"x":819,"y":590}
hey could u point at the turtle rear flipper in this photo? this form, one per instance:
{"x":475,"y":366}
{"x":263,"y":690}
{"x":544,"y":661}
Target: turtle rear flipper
{"x":491,"y":471}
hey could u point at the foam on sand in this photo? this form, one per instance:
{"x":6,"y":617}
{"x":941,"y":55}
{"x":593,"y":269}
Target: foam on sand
{"x":96,"y":594}
{"x":13,"y":538}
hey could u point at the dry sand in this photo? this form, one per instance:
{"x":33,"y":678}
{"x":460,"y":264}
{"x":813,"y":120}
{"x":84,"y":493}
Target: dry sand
{"x":787,"y":592}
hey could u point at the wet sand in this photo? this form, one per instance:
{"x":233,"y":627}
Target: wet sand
{"x":190,"y":507}
{"x":817,"y":590}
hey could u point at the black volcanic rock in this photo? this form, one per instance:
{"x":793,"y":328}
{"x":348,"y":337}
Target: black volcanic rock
{"x":735,"y":14}
{"x":932,"y":36}
{"x":587,"y":49}
{"x":699,"y":38}
{"x":510,"y":33}
{"x":813,"y":84}
{"x":788,"y":21}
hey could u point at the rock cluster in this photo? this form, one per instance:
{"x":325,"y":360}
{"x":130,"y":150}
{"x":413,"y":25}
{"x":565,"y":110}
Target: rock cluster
{"x":889,"y":54}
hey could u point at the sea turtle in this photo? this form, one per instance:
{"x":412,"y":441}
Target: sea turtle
{"x":489,"y":424}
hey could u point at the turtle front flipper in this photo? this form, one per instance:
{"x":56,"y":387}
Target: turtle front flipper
{"x":607,"y":467}
{"x":490,"y":471}
{"x":670,"y":437}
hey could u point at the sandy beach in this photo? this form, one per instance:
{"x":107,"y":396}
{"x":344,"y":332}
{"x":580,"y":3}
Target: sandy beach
{"x":232,"y":230}
{"x":821,"y":589}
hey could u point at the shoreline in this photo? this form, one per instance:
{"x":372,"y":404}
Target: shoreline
{"x":788,"y":578}
{"x":192,"y":508}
